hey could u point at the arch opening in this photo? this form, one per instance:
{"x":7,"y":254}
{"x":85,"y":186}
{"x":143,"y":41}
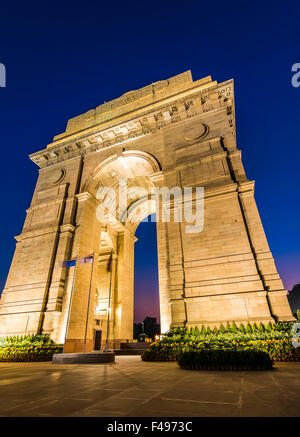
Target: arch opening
{"x":146,"y":285}
{"x":129,"y":233}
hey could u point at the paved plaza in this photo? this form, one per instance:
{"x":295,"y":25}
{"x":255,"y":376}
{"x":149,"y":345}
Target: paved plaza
{"x":131,"y":387}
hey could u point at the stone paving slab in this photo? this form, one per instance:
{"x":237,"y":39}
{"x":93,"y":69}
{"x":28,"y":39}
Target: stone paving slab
{"x":133,"y":388}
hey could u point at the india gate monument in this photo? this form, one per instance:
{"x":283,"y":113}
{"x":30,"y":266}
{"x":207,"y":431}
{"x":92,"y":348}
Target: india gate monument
{"x":172,"y":133}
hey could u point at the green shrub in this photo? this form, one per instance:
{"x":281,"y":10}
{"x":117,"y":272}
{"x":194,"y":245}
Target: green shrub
{"x":278,"y":349}
{"x":28,"y":348}
{"x":29,"y":353}
{"x":161,"y":352}
{"x":284,"y":326}
{"x":222,"y":330}
{"x":222,"y":359}
{"x":203,"y":330}
{"x":249,"y":328}
{"x":254,"y":331}
{"x":272,"y":339}
{"x":26,"y":340}
{"x":234,"y":328}
{"x":242,"y":329}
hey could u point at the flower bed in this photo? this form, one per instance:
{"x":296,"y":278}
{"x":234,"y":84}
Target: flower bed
{"x":275,"y":340}
{"x":28,"y":348}
{"x":223,"y":359}
{"x":29,"y":353}
{"x":26,"y":340}
{"x":278,"y":350}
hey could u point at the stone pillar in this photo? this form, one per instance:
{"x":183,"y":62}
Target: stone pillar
{"x":26,"y":297}
{"x":164,"y":276}
{"x":275,"y":292}
{"x":104,"y":307}
{"x":124,"y":293}
{"x":176,"y":274}
{"x":58,"y":287}
{"x":87,"y":241}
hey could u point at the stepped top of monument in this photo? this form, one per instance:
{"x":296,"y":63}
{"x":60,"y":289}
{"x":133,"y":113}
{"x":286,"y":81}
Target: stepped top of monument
{"x":138,"y":113}
{"x":133,"y":101}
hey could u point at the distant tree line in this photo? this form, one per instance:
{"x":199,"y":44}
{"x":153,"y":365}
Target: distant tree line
{"x":149,"y":326}
{"x":294,"y":299}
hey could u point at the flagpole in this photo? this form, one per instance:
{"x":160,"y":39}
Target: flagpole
{"x":109,"y":297}
{"x":71,"y":298}
{"x":88,"y":308}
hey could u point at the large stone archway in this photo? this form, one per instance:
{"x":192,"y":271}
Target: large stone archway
{"x":109,"y":234}
{"x":176,"y":132}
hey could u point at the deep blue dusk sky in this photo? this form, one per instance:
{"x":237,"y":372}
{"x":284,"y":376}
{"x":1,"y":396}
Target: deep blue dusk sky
{"x":63,"y":58}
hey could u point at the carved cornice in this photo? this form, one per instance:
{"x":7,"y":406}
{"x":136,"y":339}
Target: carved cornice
{"x":246,"y":188}
{"x":149,"y":121}
{"x":41,"y":231}
{"x":68,"y":229}
{"x":105,"y":256}
{"x":82,"y":197}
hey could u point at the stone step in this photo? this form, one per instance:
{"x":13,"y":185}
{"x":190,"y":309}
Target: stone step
{"x":133,"y":346}
{"x":94,"y":357}
{"x":129,"y":351}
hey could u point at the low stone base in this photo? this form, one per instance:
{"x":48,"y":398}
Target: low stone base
{"x":76,"y":345}
{"x":87,"y":358}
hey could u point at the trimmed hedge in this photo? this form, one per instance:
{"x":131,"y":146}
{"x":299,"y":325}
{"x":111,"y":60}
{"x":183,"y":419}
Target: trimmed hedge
{"x":231,"y":332}
{"x":26,"y":340}
{"x":223,"y":359}
{"x":273,"y":339}
{"x":28,"y":348}
{"x":277,"y":349}
{"x":161,"y":352}
{"x":29,"y":353}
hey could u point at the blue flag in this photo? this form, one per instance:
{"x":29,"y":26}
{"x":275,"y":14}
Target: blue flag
{"x":69,"y":263}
